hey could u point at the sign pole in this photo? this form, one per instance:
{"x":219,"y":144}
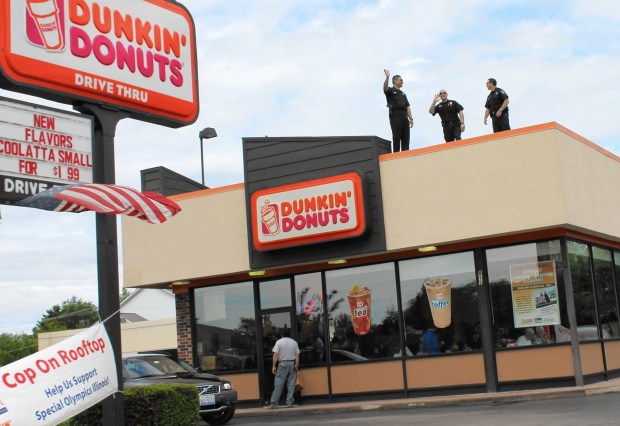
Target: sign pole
{"x":105,"y":121}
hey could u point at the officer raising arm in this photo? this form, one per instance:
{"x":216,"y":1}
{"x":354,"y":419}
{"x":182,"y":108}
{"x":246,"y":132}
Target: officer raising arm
{"x":451,"y":113}
{"x":401,"y":119}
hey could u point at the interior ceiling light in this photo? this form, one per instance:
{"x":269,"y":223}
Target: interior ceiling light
{"x":427,"y":249}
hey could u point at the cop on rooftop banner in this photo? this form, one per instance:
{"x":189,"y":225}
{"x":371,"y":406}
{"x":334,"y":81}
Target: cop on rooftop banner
{"x":55,"y":384}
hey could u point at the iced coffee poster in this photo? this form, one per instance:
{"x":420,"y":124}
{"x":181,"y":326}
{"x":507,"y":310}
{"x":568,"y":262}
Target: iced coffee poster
{"x":439,"y":293}
{"x":534,"y":294}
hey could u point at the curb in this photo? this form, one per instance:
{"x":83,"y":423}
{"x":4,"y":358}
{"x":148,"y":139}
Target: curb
{"x":437,"y":401}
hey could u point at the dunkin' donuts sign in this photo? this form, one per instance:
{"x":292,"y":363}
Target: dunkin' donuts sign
{"x":308,"y":212}
{"x":138,"y":55}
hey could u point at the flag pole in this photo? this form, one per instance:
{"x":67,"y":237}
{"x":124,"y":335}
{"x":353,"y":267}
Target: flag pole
{"x":105,"y":121}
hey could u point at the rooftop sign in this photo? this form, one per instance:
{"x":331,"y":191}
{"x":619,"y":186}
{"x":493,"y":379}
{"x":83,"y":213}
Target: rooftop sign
{"x":137,"y":55}
{"x":308,"y":212}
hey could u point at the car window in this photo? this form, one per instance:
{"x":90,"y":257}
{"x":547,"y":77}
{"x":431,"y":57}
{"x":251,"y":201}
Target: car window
{"x":139,"y":368}
{"x":166,"y":365}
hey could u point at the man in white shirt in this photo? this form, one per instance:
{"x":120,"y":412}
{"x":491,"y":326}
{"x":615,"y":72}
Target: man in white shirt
{"x":285,"y":366}
{"x":526,"y":338}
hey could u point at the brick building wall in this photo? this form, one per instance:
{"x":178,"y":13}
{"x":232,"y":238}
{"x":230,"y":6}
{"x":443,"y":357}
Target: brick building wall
{"x":184,"y":328}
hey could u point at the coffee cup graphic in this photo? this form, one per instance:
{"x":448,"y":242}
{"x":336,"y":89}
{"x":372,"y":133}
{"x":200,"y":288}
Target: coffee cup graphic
{"x":270,"y":219}
{"x":439,"y":292}
{"x":359,"y":303}
{"x":45,"y":14}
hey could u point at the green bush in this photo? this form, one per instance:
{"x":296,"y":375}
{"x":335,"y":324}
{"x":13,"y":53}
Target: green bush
{"x":155,"y":405}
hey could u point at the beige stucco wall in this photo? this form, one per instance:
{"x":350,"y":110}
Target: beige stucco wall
{"x":137,"y":336}
{"x":208,"y":237}
{"x":528,"y":179}
{"x":591,"y":184}
{"x":497,"y":187}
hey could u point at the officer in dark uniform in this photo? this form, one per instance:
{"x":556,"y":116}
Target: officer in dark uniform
{"x":400,"y":112}
{"x":497,"y":107}
{"x":452,"y":116}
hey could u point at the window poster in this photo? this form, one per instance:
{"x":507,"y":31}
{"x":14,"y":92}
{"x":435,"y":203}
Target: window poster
{"x":534,"y":294}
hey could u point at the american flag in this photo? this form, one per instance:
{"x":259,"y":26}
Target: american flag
{"x":103,"y":198}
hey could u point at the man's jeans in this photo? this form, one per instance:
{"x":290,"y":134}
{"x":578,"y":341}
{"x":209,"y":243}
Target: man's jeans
{"x":284,"y":374}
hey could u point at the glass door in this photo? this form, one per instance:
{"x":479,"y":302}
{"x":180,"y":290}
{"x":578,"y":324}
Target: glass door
{"x":273,"y":323}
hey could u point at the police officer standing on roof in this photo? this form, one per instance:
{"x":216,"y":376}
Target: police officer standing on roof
{"x":400,"y":112}
{"x":452,"y":116}
{"x":496,"y":107}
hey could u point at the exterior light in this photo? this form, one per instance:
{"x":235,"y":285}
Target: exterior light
{"x":337,"y":262}
{"x":180,"y":282}
{"x":427,"y":249}
{"x":206,"y":133}
{"x":259,"y":273}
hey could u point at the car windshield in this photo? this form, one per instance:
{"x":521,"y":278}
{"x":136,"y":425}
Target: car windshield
{"x":137,"y":367}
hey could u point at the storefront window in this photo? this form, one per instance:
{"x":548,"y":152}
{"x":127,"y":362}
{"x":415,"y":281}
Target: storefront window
{"x":440,"y":304}
{"x":310,"y":318}
{"x":363,"y":313}
{"x":275,"y":294}
{"x":617,"y":271}
{"x":527,"y":294}
{"x":605,"y":293}
{"x":225,"y":327}
{"x":581,"y":274}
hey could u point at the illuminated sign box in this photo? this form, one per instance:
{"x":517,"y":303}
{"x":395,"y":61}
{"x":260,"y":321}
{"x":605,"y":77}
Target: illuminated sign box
{"x":308,"y":212}
{"x":138,"y":55}
{"x":41,"y":148}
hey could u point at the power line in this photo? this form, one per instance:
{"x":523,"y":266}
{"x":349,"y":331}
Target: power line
{"x":70,"y":314}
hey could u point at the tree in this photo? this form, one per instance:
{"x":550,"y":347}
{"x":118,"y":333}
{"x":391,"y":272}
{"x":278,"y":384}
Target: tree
{"x":16,"y":346}
{"x":125,"y":294}
{"x":72,"y":314}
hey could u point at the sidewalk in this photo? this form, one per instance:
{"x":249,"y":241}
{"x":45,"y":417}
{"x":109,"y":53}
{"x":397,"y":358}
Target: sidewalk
{"x":479,"y":398}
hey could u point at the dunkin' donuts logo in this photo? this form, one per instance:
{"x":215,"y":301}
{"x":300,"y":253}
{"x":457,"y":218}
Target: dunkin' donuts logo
{"x":139,"y":55}
{"x":270,"y":218}
{"x":45,"y":24}
{"x":308,"y":212}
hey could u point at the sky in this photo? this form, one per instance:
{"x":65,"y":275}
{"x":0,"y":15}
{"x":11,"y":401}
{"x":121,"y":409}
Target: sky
{"x":316,"y":68}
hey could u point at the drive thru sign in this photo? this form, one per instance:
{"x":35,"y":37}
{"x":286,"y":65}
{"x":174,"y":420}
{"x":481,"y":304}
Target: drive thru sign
{"x":138,"y":55}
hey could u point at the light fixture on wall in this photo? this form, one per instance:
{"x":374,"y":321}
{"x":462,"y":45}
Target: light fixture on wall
{"x":427,"y":249}
{"x":258,"y":273}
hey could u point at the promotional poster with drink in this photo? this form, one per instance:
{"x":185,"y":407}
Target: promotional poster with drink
{"x":534,"y":294}
{"x":439,"y":292}
{"x":362,"y":307}
{"x":359,"y":303}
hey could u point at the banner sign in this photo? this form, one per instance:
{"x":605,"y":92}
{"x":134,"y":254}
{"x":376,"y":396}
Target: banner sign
{"x":137,"y":55}
{"x":42,"y":147}
{"x":308,"y":212}
{"x":57,"y":383}
{"x":534,"y":294}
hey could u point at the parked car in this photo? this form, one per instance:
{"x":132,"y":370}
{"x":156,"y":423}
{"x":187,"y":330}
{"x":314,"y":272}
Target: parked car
{"x":217,"y":396}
